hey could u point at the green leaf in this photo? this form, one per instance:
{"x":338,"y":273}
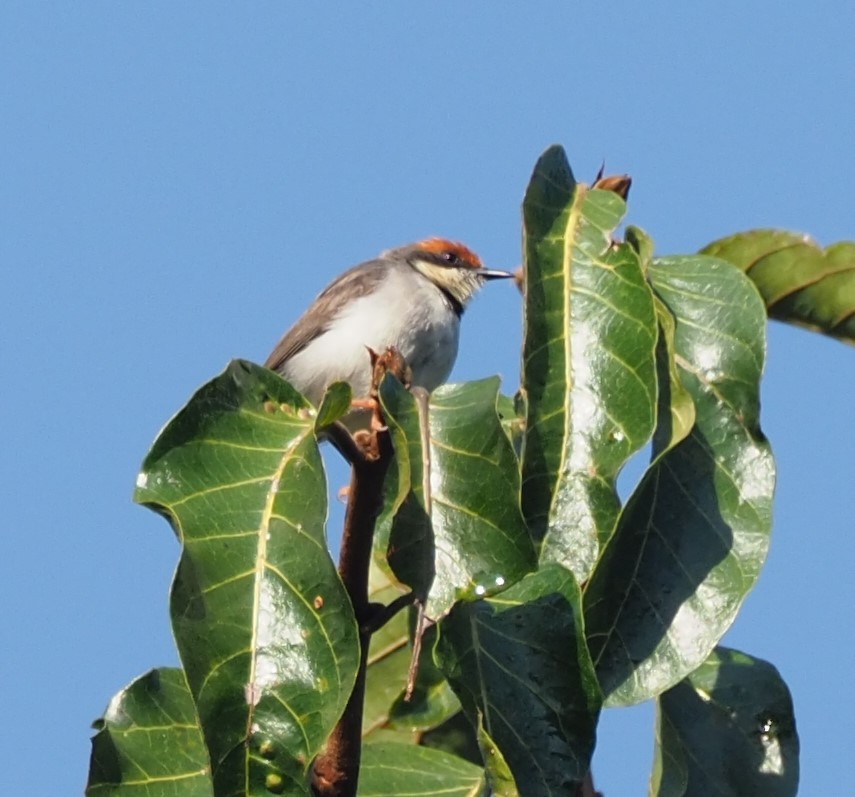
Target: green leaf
{"x":642,"y":243}
{"x":334,"y":404}
{"x":502,"y":783}
{"x":512,"y":414}
{"x":456,"y":736}
{"x":470,"y":524}
{"x":800,"y":283}
{"x":432,"y":701}
{"x":404,"y":531}
{"x":693,"y":537}
{"x":728,"y":729}
{"x":389,"y":657}
{"x":149,"y":743}
{"x":481,"y":541}
{"x":391,"y":770}
{"x":264,"y":627}
{"x":676,"y":413}
{"x":519,"y":661}
{"x":588,"y":362}
{"x":676,"y":410}
{"x":670,"y":776}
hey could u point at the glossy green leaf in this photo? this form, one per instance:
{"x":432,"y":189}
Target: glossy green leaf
{"x":728,"y":729}
{"x":264,"y":627}
{"x":334,"y":404}
{"x":149,"y":743}
{"x":675,"y":414}
{"x":800,"y":282}
{"x":588,"y":362}
{"x":393,"y":770}
{"x":481,"y":541}
{"x":692,"y":538}
{"x":475,"y":534}
{"x":518,"y":662}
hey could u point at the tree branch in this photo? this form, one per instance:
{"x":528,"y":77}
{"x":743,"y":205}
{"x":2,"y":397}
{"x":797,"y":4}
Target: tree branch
{"x":382,"y":613}
{"x":336,"y":770}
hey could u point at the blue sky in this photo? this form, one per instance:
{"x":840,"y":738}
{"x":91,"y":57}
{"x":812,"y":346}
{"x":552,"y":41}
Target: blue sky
{"x":177,"y":182}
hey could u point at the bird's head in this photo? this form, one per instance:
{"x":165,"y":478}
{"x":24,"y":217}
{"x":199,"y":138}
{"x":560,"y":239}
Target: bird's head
{"x":454,"y":268}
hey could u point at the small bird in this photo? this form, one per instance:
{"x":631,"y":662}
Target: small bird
{"x":411,"y":298}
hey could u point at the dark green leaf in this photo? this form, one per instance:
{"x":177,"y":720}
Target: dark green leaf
{"x":642,"y":243}
{"x":456,"y":736}
{"x":432,"y":701}
{"x":728,"y":729}
{"x":670,"y":776}
{"x":149,"y":743}
{"x":800,"y":283}
{"x":404,"y":532}
{"x":389,"y":657}
{"x":692,"y":538}
{"x":588,"y":362}
{"x":334,"y":404}
{"x":263,"y":624}
{"x":393,"y":770}
{"x":518,"y":662}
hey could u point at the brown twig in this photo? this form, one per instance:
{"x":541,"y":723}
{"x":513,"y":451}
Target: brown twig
{"x":382,"y":613}
{"x":422,"y":624}
{"x":338,"y":434}
{"x":336,"y":770}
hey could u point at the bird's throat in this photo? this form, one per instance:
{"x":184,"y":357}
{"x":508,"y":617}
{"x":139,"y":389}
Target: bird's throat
{"x":457,"y":285}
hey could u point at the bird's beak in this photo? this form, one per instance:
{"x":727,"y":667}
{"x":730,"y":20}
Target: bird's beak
{"x":493,"y":274}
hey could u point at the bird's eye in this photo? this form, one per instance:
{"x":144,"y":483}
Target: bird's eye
{"x":452,"y":258}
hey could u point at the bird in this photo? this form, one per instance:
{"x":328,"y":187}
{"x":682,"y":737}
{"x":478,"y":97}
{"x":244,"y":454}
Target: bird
{"x":411,"y":298}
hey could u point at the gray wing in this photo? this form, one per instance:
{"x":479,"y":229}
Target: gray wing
{"x":358,"y":281}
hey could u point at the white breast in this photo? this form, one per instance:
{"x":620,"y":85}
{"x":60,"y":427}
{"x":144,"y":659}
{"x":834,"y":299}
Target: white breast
{"x":407,"y":312}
